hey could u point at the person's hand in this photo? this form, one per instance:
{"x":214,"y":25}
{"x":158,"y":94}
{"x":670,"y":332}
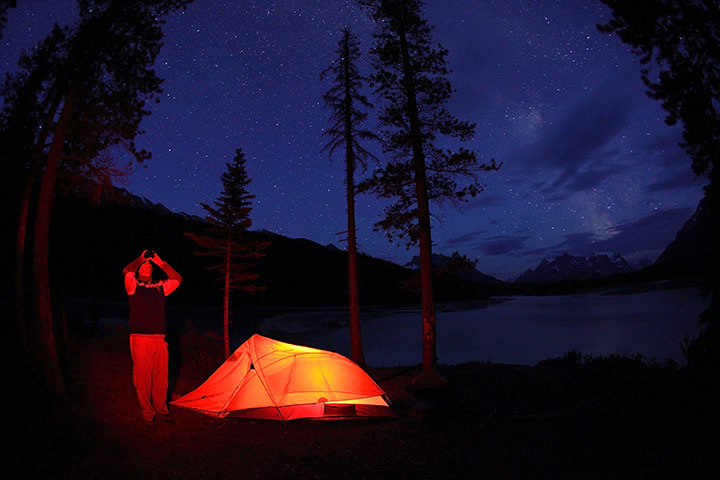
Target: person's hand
{"x":154,"y":257}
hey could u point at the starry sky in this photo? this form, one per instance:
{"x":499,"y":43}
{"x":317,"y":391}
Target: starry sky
{"x":589,"y":165}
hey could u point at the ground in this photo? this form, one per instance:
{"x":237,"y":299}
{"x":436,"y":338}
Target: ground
{"x":566,"y":418}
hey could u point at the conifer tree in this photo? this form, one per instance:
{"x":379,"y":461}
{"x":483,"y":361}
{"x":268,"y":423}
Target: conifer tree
{"x":22,"y":151}
{"x":226,"y":240}
{"x":678,"y":44}
{"x":345,"y":100}
{"x":91,"y":102}
{"x":410,"y":73}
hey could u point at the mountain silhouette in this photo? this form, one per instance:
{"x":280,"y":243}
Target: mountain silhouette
{"x":568,"y":267}
{"x":92,"y":243}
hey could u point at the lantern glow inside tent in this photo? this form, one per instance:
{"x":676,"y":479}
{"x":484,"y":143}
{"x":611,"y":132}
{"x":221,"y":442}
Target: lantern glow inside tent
{"x":269,"y":379}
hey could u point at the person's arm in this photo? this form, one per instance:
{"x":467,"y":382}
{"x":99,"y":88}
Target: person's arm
{"x":174,"y":279}
{"x":129,"y":273}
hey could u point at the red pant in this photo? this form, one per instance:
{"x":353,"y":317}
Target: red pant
{"x":150,"y":373}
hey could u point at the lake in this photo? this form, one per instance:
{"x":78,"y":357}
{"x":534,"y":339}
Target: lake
{"x":513,"y":330}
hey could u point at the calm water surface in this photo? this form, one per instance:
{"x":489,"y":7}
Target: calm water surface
{"x":518,"y":330}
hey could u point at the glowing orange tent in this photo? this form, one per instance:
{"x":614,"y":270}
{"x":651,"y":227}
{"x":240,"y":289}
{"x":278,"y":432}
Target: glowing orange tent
{"x":265,"y":378}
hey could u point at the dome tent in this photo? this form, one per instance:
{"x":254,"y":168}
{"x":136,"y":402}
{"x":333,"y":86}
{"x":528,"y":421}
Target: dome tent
{"x":269,"y":379}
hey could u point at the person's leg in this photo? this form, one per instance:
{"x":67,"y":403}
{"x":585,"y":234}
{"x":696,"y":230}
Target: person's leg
{"x":142,"y":356}
{"x":160,"y":377}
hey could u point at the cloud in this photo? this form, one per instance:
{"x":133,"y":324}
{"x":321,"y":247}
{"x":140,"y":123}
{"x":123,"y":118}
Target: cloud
{"x":662,"y":149}
{"x":497,"y":245}
{"x":681,"y":179}
{"x":465,"y":238}
{"x":502,"y":244}
{"x":557,"y":197}
{"x":586,"y":180}
{"x":652,"y":232}
{"x":588,"y":126}
{"x":579,"y":140}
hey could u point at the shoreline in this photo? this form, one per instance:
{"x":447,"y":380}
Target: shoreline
{"x":534,"y":326}
{"x":609,"y":418}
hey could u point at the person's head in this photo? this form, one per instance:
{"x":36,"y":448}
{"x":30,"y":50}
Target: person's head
{"x":145,"y":271}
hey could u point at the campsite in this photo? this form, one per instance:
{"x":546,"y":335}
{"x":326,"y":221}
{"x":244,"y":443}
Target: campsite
{"x":616,"y":415}
{"x":399,"y":239}
{"x":569,"y":417}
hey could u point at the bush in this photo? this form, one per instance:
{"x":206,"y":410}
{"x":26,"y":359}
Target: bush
{"x":202,"y":351}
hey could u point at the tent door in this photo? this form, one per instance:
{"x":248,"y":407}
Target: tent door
{"x":340,"y":410}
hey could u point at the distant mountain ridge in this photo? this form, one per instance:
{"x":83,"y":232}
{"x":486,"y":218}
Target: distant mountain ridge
{"x":456,"y":265}
{"x":689,"y":252}
{"x":570,"y":267}
{"x":92,"y":243}
{"x":143,"y":203}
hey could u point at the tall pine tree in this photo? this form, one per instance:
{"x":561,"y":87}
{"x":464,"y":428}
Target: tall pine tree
{"x":91,"y":102}
{"x":226,"y":240}
{"x":345,"y":100}
{"x":27,"y":107}
{"x":411,"y":74}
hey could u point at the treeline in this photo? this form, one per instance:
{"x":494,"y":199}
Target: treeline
{"x":91,"y":242}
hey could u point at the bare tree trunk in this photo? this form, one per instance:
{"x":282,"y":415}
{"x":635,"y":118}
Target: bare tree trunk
{"x":48,"y":351}
{"x":429,"y":358}
{"x":22,"y":236}
{"x":356,"y":349}
{"x":226,"y":301}
{"x":429,"y":338}
{"x":20,"y":265}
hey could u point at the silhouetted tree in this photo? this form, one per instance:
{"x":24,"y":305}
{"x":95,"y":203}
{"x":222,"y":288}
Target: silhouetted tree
{"x":227,"y":240}
{"x":345,"y":101}
{"x":26,"y":107}
{"x":459,"y":263}
{"x":94,"y":99}
{"x":678,"y":43}
{"x":411,"y":74}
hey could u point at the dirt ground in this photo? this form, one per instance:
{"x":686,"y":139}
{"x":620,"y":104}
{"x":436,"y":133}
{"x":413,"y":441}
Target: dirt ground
{"x":612,"y":419}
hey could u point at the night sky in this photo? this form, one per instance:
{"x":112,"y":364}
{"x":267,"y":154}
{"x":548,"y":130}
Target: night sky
{"x":589,"y":165}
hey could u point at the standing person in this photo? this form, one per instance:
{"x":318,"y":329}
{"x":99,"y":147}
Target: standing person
{"x":147,"y":332}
